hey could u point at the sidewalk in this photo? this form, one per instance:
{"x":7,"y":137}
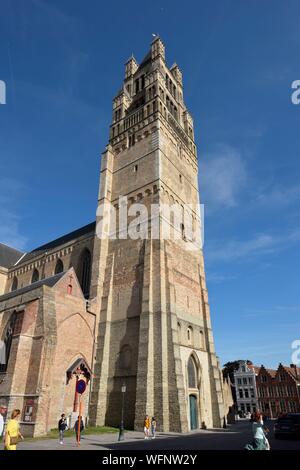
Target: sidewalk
{"x":90,"y":442}
{"x":105,"y":441}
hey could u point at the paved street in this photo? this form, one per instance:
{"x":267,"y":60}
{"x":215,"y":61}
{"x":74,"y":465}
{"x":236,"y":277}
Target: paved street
{"x":233,"y":438}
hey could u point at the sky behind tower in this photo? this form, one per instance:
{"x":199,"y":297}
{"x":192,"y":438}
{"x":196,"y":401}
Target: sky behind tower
{"x":63,"y":62}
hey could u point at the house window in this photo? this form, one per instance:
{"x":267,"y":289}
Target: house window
{"x":239,"y":381}
{"x":283,"y":406}
{"x":293,"y":407}
{"x":241,"y":393}
{"x":135,"y":168}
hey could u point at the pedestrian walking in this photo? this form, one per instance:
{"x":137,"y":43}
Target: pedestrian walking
{"x":147,"y":427}
{"x":153,"y":427}
{"x":260,"y":441}
{"x":62,"y":427}
{"x":76,"y":428}
{"x":12,"y":433}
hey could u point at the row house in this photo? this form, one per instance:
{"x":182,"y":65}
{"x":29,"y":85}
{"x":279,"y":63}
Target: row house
{"x":278,"y":390}
{"x":245,"y":386}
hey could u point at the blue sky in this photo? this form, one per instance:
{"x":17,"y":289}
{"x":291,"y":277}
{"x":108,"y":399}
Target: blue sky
{"x":63,"y":62}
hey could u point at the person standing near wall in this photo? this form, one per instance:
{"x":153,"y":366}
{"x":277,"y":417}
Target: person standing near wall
{"x":12,"y":433}
{"x":147,"y":427}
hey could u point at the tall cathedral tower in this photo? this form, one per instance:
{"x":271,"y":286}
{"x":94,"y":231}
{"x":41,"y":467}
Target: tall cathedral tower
{"x":154,"y":331}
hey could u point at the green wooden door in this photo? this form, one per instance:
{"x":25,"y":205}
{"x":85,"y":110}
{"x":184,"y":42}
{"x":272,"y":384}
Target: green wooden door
{"x":193,"y":412}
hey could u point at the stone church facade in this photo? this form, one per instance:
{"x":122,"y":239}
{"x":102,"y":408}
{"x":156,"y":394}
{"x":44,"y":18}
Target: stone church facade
{"x":118,"y":310}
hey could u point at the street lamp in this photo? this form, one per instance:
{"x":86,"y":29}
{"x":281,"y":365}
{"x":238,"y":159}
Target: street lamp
{"x":121,"y":433}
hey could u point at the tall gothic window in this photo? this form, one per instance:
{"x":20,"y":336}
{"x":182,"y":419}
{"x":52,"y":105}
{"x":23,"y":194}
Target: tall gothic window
{"x":201,"y":340}
{"x":59,"y":267}
{"x":35,"y":276}
{"x":14,"y":285}
{"x":192,"y":373}
{"x":190,"y":335}
{"x":5,"y":342}
{"x":85,"y":272}
{"x":179,"y":332}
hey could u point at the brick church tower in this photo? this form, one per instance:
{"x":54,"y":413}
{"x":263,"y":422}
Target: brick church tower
{"x":154,"y":333}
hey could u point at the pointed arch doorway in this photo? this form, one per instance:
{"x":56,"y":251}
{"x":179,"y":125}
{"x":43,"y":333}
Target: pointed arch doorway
{"x":193,"y":392}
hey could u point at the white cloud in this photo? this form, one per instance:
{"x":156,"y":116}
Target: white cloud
{"x":278,"y":197}
{"x":222,"y":176}
{"x":278,"y":310}
{"x":219,"y":278}
{"x":260,"y":244}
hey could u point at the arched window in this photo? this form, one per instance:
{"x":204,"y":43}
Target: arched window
{"x":5,"y":342}
{"x":190,"y":335}
{"x":85,"y":272}
{"x":35,"y":276}
{"x":14,"y":285}
{"x":59,"y":267}
{"x":182,"y":231}
{"x":192,"y":373}
{"x":201,"y":340}
{"x":179,"y":332}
